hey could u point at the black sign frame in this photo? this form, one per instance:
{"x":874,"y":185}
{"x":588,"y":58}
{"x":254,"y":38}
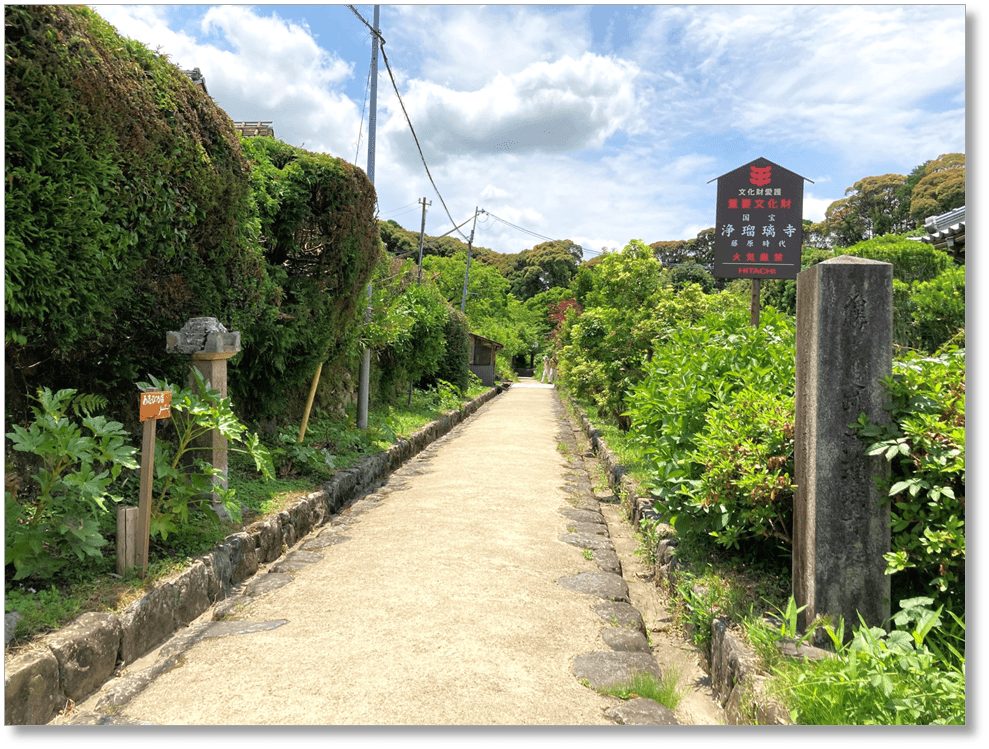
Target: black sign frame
{"x":759,"y":225}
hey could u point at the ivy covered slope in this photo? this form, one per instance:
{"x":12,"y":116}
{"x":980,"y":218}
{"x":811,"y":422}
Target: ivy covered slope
{"x":127,"y":205}
{"x":320,"y":244}
{"x":131,"y":207}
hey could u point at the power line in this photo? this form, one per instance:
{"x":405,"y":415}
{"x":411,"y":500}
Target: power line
{"x":360,"y":129}
{"x":407,"y":119}
{"x":538,"y":236}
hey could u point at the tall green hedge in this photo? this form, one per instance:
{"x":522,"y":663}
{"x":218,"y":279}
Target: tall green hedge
{"x":127,"y":206}
{"x":131,"y":206}
{"x":320,"y":243}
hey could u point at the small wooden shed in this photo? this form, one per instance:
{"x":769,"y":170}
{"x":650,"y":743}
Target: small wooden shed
{"x":483,"y":355}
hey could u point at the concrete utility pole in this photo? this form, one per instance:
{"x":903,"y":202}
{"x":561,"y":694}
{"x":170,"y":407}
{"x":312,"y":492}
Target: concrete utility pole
{"x":364,"y":384}
{"x":422,"y":235}
{"x":463,"y":303}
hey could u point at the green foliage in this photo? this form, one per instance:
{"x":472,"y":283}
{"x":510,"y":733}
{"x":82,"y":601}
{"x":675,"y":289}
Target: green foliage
{"x":629,"y":310}
{"x":929,"y":314}
{"x":666,"y":691}
{"x":321,"y":247}
{"x":127,"y":208}
{"x":59,"y":521}
{"x":939,"y":188}
{"x":912,"y":675}
{"x":183,"y":482}
{"x":924,"y":442}
{"x":453,"y":365}
{"x":744,"y":456}
{"x":703,"y":598}
{"x":492,"y":311}
{"x":546,"y":266}
{"x":911,"y":260}
{"x":875,"y":206}
{"x":681,"y":413}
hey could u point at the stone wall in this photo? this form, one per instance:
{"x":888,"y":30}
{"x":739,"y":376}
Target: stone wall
{"x":74,"y":662}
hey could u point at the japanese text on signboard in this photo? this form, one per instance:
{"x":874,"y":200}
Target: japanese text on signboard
{"x":759,"y":222}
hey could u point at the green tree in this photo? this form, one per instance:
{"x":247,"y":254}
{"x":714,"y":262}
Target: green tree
{"x":873,"y":207}
{"x":940,"y":188}
{"x":546,"y":266}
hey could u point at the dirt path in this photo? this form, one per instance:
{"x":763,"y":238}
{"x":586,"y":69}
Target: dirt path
{"x":434,"y":602}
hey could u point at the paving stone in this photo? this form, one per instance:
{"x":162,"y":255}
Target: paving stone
{"x":324,"y":540}
{"x":609,"y":668}
{"x":622,"y":615}
{"x":297,"y":560}
{"x":582,"y":516}
{"x":631,"y":640}
{"x":608,"y":561}
{"x":587,"y":529}
{"x":642,"y":712}
{"x":267,"y":583}
{"x":604,"y":585}
{"x":585,"y":541}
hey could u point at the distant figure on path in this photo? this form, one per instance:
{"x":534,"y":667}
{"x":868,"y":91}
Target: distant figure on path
{"x":546,"y":369}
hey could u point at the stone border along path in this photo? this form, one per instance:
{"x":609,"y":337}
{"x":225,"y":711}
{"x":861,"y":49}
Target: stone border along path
{"x":733,"y":679}
{"x":69,"y":665}
{"x":629,"y":650}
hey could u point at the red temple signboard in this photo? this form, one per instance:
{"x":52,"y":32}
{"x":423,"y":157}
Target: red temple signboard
{"x":759,"y":226}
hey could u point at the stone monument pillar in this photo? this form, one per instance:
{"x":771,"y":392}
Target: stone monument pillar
{"x":840,"y":517}
{"x":210,"y":345}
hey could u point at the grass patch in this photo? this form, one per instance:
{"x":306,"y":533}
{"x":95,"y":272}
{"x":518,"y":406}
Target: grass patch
{"x":667,"y":691}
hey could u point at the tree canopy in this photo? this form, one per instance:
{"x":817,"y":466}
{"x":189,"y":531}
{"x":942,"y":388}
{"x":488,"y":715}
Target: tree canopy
{"x":545,"y":266}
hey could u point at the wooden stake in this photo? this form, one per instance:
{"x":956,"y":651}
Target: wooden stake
{"x":312,"y":396}
{"x":754,"y":316}
{"x":144,"y":505}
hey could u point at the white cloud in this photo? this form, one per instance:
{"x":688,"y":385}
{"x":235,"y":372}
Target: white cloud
{"x":463,"y":48}
{"x":848,"y":78}
{"x":565,"y":105}
{"x":261,"y":67}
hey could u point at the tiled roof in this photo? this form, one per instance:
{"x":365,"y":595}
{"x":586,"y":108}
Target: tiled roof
{"x":948,"y":229}
{"x":251,"y":129}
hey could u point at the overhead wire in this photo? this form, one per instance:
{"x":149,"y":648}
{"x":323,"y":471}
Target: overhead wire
{"x":423,"y":158}
{"x":407,"y":118}
{"x":538,"y":236}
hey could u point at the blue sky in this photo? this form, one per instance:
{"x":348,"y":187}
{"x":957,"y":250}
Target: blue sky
{"x":598,"y":124}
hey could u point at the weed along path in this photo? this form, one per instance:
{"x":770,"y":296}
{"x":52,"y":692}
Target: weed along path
{"x":455,"y":594}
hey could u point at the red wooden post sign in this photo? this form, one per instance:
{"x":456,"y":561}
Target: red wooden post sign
{"x":154,"y":405}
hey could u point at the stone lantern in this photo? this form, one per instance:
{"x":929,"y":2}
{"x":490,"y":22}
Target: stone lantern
{"x":210,"y":345}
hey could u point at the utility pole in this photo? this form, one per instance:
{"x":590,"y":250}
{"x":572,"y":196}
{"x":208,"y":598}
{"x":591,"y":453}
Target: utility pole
{"x":463,"y":303}
{"x":364,"y":383}
{"x":422,"y":235}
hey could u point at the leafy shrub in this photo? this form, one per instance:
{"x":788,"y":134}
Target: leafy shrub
{"x":127,"y":207}
{"x":453,"y":365}
{"x":183,"y":482}
{"x":321,"y":246}
{"x":928,"y":314}
{"x":744,"y":456}
{"x":911,"y":260}
{"x":627,"y":313}
{"x":910,"y":676}
{"x":699,"y":371}
{"x":924,"y":443}
{"x":59,"y":521}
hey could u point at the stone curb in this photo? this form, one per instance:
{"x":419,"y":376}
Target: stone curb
{"x":74,"y":662}
{"x":629,"y":652}
{"x":733,"y":674}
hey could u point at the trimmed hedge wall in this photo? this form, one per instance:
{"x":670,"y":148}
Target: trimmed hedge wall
{"x":131,"y":206}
